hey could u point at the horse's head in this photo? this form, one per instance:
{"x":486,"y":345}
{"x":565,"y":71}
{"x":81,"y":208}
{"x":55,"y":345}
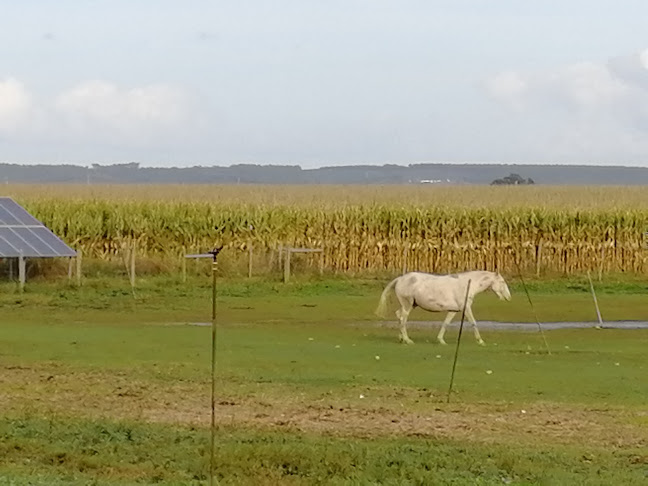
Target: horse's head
{"x":500,"y":288}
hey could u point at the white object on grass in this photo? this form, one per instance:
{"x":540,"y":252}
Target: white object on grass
{"x":441,"y":293}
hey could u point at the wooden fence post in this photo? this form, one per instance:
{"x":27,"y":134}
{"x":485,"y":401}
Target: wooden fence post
{"x":405,"y":251}
{"x":321,"y":262}
{"x":79,"y":258}
{"x":132,"y":266}
{"x":22,"y":272}
{"x":183,"y":264}
{"x":250,"y":255}
{"x":287,"y":265}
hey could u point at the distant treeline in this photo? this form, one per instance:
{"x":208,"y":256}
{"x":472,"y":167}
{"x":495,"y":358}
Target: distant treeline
{"x":133,"y":173}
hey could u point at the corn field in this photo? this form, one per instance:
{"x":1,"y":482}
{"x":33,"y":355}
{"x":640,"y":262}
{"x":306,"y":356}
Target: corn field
{"x":356,"y":237}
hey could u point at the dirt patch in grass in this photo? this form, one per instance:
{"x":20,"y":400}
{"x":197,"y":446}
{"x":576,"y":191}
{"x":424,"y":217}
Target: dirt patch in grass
{"x":58,"y":391}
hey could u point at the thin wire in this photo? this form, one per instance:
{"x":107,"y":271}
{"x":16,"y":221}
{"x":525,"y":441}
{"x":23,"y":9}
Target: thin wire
{"x":598,"y":311}
{"x":532,"y":308}
{"x":454,"y":364}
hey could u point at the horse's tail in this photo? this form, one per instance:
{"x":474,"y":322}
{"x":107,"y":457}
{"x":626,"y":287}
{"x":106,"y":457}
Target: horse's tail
{"x":381,"y":310}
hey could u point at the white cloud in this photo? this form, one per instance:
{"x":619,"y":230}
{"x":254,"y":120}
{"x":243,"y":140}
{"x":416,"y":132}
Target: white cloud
{"x":16,"y":107}
{"x":643,"y":57}
{"x":102,"y":111}
{"x":586,"y":111}
{"x":97,"y":112}
{"x":583,"y":85}
{"x":589,"y":85}
{"x":508,"y":87}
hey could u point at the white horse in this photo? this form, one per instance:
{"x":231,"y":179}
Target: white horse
{"x":438,"y":293}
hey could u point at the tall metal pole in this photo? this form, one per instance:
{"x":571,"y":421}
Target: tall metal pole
{"x":454,"y":364}
{"x":526,"y":290}
{"x":213,"y":368}
{"x":213,"y":254}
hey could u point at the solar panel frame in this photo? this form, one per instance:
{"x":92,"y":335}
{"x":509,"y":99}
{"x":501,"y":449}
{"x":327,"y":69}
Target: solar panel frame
{"x":19,"y":215}
{"x":22,"y":235}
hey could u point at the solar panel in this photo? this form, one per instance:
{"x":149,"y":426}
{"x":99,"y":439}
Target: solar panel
{"x":23,"y":235}
{"x":12,"y":213}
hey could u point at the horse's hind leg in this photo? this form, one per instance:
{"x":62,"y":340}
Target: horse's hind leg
{"x":442,"y":331}
{"x":403,"y":314}
{"x":472,"y":320}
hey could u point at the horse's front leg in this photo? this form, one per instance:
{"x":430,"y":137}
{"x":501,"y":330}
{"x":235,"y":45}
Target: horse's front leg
{"x":471,"y":318}
{"x":442,"y":331}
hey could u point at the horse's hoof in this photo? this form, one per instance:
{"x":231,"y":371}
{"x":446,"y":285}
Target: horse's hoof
{"x":441,"y":341}
{"x":406,"y":340}
{"x":481,"y":343}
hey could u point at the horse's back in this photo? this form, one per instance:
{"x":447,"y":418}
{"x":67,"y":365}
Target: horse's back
{"x":418,"y":280}
{"x":429,"y":291}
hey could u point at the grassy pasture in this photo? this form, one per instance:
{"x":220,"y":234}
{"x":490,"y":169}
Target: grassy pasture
{"x":98,"y":387}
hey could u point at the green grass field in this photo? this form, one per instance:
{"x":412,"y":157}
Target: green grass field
{"x":98,"y":386}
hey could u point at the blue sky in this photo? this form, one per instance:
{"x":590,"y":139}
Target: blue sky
{"x":324,"y":83}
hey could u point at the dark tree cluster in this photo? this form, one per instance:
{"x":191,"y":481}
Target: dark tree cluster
{"x":512,"y":180}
